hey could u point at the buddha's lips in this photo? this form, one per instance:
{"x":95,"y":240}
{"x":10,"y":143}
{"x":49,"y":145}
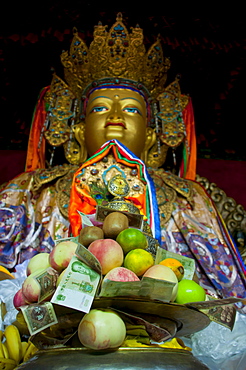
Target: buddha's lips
{"x":115,"y":124}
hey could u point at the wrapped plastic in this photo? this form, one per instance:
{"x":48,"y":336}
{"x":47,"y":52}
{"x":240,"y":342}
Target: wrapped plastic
{"x":218,"y":347}
{"x":8,"y":288}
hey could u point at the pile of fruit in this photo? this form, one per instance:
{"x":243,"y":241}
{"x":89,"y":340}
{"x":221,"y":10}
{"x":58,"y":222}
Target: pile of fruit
{"x":123,"y":256}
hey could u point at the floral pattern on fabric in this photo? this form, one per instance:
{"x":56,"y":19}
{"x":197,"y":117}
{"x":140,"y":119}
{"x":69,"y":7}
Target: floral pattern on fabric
{"x":29,"y":221}
{"x":198,"y":233}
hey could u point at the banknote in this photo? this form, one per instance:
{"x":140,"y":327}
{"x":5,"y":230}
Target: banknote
{"x":156,"y":333}
{"x":85,"y":219}
{"x":43,"y":341}
{"x":221,"y":311}
{"x":135,"y":220}
{"x":188,"y":263}
{"x":47,"y":280}
{"x":57,"y":241}
{"x":39,"y":316}
{"x":223,"y":315}
{"x":156,"y":289}
{"x":88,"y":258}
{"x":146,"y":287}
{"x":78,"y":286}
{"x":215,"y":302}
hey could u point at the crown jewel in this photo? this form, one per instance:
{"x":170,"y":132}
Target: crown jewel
{"x":115,"y":54}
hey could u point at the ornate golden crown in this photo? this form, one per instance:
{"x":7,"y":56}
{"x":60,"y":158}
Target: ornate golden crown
{"x":115,"y":54}
{"x":114,"y":57}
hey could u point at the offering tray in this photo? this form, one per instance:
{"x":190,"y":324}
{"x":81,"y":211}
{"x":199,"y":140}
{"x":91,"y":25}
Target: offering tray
{"x":178,"y":319}
{"x":187,"y":320}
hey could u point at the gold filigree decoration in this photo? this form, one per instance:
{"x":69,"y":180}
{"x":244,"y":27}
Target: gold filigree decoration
{"x":60,"y":99}
{"x":167,"y":186}
{"x":156,"y":156}
{"x":58,"y":133}
{"x":72,"y":151}
{"x":165,"y":195}
{"x":115,"y":56}
{"x":45,"y":176}
{"x":105,"y":170}
{"x":182,"y":186}
{"x":233,"y":214}
{"x":118,"y":54}
{"x":172,"y":104}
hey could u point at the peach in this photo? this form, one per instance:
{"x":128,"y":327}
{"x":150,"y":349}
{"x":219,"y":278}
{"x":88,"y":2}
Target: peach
{"x":108,"y":252}
{"x":31,"y":288}
{"x":121,"y":274}
{"x":19,"y":299}
{"x":60,"y":277}
{"x":39,"y":261}
{"x":61,"y":255}
{"x":163,"y":273}
{"x":101,"y":329}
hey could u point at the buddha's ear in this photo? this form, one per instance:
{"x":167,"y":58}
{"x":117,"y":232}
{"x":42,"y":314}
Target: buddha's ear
{"x":149,"y":142}
{"x":79,"y":133}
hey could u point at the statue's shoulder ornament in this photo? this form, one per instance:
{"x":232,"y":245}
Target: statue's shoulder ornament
{"x":168,"y":186}
{"x":44,"y":176}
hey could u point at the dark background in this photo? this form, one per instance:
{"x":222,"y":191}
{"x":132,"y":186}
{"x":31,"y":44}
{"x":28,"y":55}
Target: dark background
{"x":209,"y":52}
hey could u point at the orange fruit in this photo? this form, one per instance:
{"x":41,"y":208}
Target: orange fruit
{"x":174,"y":265}
{"x":130,"y":239}
{"x":138,"y":261}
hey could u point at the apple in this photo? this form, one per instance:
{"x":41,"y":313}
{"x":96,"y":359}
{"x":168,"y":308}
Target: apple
{"x":163,"y":273}
{"x":121,"y":274}
{"x":189,"y":291}
{"x":61,"y":255}
{"x":101,"y":328}
{"x":19,"y":299}
{"x":39,"y":261}
{"x":108,"y":252}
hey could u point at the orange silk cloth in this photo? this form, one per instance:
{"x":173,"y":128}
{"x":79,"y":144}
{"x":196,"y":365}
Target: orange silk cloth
{"x":80,"y":198}
{"x":188,"y":169}
{"x":36,"y":151}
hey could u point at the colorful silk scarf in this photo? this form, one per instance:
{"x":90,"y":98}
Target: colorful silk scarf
{"x":80,"y":199}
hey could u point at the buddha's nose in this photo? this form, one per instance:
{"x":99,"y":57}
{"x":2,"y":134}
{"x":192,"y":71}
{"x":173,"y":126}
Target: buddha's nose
{"x":115,"y":112}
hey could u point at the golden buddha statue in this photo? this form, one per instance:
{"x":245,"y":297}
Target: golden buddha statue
{"x":113,"y":116}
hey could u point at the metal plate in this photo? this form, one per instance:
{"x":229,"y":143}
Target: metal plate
{"x":120,"y":359}
{"x":188,"y":320}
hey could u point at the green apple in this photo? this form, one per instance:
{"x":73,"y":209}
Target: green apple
{"x":189,"y":291}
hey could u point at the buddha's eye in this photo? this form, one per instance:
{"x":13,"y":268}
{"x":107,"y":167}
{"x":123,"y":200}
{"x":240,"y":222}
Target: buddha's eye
{"x":99,"y":109}
{"x":131,"y":110}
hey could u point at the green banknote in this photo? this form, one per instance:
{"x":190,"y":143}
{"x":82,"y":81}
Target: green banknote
{"x":78,"y":286}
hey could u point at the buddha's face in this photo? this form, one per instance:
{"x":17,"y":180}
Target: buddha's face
{"x":116,"y":113}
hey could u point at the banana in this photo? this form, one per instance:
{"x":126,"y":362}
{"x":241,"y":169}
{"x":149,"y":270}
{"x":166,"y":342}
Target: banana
{"x":5,"y":350}
{"x":13,"y":342}
{"x":31,"y":350}
{"x":7,"y":364}
{"x":1,"y":345}
{"x":25,"y":346}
